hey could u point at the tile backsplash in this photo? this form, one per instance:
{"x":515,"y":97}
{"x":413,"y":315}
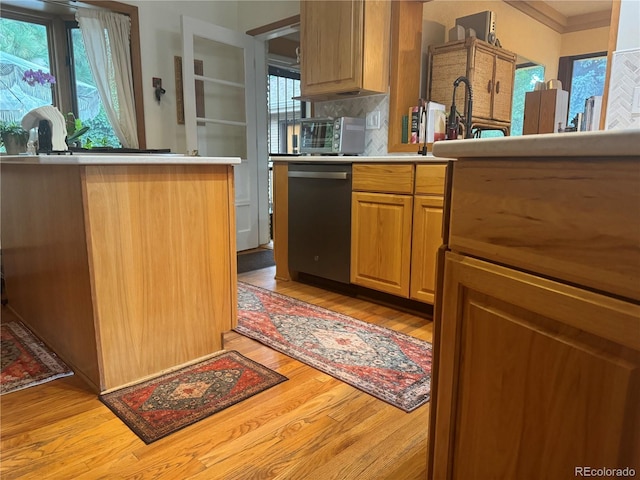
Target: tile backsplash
{"x":625,"y":78}
{"x":375,"y":139}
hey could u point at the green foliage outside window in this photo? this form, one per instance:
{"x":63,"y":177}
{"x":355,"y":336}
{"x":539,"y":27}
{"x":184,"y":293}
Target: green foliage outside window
{"x":587,"y":80}
{"x":29,"y":42}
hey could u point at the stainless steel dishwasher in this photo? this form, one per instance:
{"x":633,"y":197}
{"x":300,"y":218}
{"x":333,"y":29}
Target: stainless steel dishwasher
{"x":320,"y":220}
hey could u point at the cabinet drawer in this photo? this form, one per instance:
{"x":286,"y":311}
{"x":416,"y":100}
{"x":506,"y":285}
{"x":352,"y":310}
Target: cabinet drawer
{"x":386,"y":178}
{"x":568,"y":219}
{"x":430,"y":179}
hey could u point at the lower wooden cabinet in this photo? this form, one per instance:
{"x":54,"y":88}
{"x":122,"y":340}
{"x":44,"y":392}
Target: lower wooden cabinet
{"x":427,"y":238}
{"x":536,"y":377}
{"x":381,"y":241}
{"x":396,"y":228}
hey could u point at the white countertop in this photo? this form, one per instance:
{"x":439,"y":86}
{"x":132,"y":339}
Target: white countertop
{"x":395,"y":158}
{"x":125,"y":159}
{"x":609,"y":143}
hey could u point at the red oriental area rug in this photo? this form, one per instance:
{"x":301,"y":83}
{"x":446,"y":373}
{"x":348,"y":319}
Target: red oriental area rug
{"x":158,"y":407}
{"x":26,"y":361}
{"x":389,"y":365}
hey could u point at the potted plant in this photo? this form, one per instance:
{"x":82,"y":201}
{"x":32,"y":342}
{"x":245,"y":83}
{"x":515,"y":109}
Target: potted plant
{"x":14,"y":137}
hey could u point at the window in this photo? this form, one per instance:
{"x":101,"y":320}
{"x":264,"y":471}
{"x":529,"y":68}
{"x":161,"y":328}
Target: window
{"x":26,"y":46}
{"x":583,"y":76}
{"x":49,"y":40}
{"x":525,"y":80}
{"x":284,"y":112}
{"x":23,"y":46}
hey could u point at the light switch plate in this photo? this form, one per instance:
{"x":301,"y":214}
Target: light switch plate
{"x":635,"y":104}
{"x":373,"y":120}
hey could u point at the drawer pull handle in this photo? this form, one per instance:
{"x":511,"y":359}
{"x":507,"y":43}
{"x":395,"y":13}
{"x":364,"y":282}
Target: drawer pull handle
{"x":322,"y":175}
{"x":498,"y":86}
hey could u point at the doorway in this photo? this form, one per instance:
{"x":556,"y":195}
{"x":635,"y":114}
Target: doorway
{"x":282,"y":44}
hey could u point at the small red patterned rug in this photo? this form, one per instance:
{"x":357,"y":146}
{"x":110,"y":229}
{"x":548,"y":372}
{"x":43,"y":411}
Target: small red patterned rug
{"x":26,"y":361}
{"x":158,"y":407}
{"x":389,"y":365}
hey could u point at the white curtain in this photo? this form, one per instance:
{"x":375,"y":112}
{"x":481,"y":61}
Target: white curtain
{"x":106,"y":40}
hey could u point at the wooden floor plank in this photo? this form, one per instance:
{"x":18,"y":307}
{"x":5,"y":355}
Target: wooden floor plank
{"x":310,"y":427}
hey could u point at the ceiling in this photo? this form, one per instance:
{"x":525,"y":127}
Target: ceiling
{"x":566,"y":16}
{"x":570,"y":8}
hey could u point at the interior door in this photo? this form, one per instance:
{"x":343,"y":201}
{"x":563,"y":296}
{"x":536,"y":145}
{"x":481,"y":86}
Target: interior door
{"x":234,"y":122}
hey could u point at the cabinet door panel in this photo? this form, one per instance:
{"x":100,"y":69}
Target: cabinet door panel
{"x":331,"y":42}
{"x":503,"y":90}
{"x":446,"y":67}
{"x":381,"y":241}
{"x":483,"y":83}
{"x":427,"y":238}
{"x":522,"y":390}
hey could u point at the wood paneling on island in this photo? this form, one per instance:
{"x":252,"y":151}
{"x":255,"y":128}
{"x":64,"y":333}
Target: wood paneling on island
{"x":124,"y":270}
{"x":537,"y":328}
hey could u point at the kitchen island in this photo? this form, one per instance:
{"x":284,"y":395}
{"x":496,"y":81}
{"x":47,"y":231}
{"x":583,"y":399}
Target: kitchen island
{"x":124,"y":265}
{"x":537,"y":322}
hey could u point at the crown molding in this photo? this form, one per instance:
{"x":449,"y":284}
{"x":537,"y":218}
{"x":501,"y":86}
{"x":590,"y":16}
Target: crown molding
{"x":547,"y":15}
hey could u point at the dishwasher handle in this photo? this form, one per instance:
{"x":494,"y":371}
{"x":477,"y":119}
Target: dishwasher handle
{"x":322,"y":175}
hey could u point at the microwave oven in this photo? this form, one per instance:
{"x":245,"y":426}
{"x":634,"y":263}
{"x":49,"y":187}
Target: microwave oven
{"x":332,"y":136}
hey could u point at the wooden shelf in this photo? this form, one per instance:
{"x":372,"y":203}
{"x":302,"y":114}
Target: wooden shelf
{"x":404,"y":85}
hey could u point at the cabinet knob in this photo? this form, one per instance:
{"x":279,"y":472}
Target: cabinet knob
{"x":498,"y":86}
{"x":489,"y":87}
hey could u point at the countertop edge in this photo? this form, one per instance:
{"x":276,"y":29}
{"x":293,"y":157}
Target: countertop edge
{"x":575,"y":144}
{"x":359,"y":159}
{"x":117,"y":160}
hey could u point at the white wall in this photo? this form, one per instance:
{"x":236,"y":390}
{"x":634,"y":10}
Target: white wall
{"x":625,"y":65}
{"x":161,"y":40}
{"x":585,"y":41}
{"x":628,"y":35}
{"x":256,"y":13}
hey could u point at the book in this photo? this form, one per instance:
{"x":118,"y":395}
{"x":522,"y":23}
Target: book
{"x":592,"y":109}
{"x":405,"y":129}
{"x":422,"y":127}
{"x":414,"y":123}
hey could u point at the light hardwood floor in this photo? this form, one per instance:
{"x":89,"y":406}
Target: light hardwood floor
{"x":309,"y":427}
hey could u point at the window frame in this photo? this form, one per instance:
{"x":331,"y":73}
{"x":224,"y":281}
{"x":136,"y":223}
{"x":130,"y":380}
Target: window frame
{"x":565,"y":75}
{"x":58,"y":52}
{"x":276,"y":71}
{"x":565,"y":67}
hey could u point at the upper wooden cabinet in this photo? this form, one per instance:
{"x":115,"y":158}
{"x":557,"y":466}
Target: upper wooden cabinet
{"x":490,"y":71}
{"x":344,"y":47}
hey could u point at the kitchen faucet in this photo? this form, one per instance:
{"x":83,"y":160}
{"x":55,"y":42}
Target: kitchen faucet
{"x":453,"y":115}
